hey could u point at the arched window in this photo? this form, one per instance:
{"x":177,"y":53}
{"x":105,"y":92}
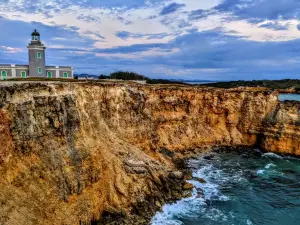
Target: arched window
{"x":66,"y":75}
{"x":3,"y":75}
{"x":23,"y":74}
{"x":49,"y":74}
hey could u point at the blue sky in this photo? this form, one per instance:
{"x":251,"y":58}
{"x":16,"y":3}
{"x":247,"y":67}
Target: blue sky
{"x":177,"y":39}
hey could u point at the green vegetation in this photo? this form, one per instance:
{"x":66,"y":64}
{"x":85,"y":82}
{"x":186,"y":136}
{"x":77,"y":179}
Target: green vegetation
{"x":42,"y":79}
{"x":124,"y":75}
{"x":121,"y":75}
{"x":272,"y":84}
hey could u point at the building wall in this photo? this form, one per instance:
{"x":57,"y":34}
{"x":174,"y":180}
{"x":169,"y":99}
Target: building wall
{"x":8,"y":71}
{"x":14,"y":71}
{"x":52,"y":71}
{"x":21,"y":69}
{"x":58,"y":72}
{"x":62,"y":71}
{"x":35,"y":63}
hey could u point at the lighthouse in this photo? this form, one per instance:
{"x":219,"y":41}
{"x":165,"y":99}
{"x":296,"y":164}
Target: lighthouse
{"x":37,"y":64}
{"x":37,"y":59}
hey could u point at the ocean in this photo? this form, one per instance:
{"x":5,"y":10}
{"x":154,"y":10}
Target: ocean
{"x":241,"y":189}
{"x":290,"y":97}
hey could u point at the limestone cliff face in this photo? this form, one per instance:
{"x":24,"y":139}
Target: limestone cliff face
{"x":73,"y":153}
{"x":280,"y":131}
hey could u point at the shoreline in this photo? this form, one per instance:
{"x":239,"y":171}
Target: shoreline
{"x":153,"y":206}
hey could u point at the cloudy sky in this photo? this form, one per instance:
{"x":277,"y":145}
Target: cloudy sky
{"x":179,"y":39}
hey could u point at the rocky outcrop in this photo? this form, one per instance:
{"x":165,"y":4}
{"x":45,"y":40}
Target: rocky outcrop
{"x":280,"y":131}
{"x":82,"y":153}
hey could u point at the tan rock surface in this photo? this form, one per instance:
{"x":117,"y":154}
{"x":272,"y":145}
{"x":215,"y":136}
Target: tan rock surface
{"x":70,"y":152}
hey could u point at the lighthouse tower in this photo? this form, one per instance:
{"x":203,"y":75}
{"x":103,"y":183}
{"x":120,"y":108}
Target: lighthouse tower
{"x":37,"y":59}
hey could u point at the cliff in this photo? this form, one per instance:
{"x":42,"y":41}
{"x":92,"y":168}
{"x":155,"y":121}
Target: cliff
{"x":77,"y":153}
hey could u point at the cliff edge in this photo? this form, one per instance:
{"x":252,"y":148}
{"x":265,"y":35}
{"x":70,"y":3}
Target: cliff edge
{"x":82,"y":153}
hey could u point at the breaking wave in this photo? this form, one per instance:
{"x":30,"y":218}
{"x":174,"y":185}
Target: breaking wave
{"x":235,"y":192}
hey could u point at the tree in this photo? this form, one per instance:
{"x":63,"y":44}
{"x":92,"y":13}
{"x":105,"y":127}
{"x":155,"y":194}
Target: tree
{"x":103,"y":77}
{"x":123,"y":75}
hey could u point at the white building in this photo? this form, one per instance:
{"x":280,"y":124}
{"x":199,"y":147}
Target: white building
{"x":37,"y":64}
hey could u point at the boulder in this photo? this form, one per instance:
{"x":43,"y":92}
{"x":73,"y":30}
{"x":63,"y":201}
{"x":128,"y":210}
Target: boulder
{"x":200,"y":193}
{"x":188,"y":186}
{"x":208,"y":157}
{"x":201,"y":180}
{"x":139,"y":170}
{"x":134,"y":163}
{"x":176,"y":175}
{"x":189,"y":176}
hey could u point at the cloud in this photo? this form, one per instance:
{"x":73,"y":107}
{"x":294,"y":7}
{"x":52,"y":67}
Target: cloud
{"x":125,"y":35}
{"x":10,"y":49}
{"x":263,"y":9}
{"x":197,"y":14}
{"x":150,"y":53}
{"x":171,"y":8}
{"x":274,"y":26}
{"x":207,"y":39}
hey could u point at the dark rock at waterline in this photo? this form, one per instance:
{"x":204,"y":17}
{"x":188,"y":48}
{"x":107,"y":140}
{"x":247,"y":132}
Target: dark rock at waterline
{"x":248,"y":153}
{"x":208,"y":202}
{"x":188,"y":186}
{"x":201,"y":180}
{"x":257,"y":152}
{"x":187,"y":194}
{"x":189,"y":175}
{"x":212,"y":199}
{"x":244,"y":151}
{"x":200,"y":193}
{"x":168,"y":188}
{"x":250,"y":175}
{"x":209,"y":157}
{"x":180,"y":163}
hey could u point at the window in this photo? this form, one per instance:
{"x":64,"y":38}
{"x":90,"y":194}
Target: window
{"x":35,"y":38}
{"x":23,"y":74}
{"x":66,"y":75}
{"x":40,"y":70}
{"x":49,"y":74}
{"x":39,"y":55}
{"x":3,"y":75}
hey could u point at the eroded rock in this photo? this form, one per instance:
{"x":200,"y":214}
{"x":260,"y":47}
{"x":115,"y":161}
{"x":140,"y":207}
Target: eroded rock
{"x":70,"y":149}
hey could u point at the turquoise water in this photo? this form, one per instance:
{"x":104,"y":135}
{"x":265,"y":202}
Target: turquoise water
{"x":241,"y":189}
{"x":291,"y":97}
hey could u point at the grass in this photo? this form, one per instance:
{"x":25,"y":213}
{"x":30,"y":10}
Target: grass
{"x":149,"y":81}
{"x":40,"y":79}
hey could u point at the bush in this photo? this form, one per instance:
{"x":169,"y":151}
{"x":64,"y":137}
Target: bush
{"x":103,"y":77}
{"x":122,"y":75}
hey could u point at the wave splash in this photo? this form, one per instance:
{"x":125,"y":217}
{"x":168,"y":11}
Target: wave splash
{"x":210,"y":193}
{"x":234,"y":186}
{"x":272,"y":155}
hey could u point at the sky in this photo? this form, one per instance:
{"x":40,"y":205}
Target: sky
{"x":174,"y":39}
